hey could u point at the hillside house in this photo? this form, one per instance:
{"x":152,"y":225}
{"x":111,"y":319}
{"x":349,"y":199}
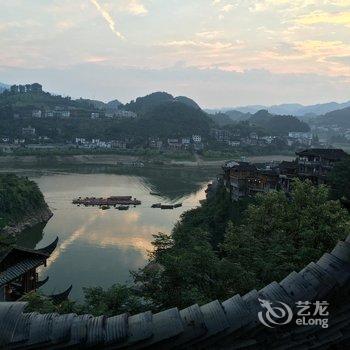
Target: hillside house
{"x":28,"y":131}
{"x":36,"y":113}
{"x":243,"y":179}
{"x":315,"y":164}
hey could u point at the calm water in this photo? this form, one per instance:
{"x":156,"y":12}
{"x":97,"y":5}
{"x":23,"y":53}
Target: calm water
{"x":99,"y":248}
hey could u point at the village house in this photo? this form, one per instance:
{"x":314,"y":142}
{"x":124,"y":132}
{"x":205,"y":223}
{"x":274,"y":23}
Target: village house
{"x":243,"y":179}
{"x":155,"y":143}
{"x":118,"y":144}
{"x":304,"y":138}
{"x":57,"y":114}
{"x":174,"y":144}
{"x":221,"y":135}
{"x":37,"y":88}
{"x":95,"y":115}
{"x":315,"y":164}
{"x":36,"y":113}
{"x":28,"y":131}
{"x":234,"y":143}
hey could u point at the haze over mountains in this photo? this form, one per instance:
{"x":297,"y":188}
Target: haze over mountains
{"x":290,"y":109}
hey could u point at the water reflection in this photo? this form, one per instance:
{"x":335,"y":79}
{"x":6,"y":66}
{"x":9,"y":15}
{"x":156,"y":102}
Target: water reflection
{"x":99,"y":248}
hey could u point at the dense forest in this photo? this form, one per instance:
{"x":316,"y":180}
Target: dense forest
{"x":19,"y":197}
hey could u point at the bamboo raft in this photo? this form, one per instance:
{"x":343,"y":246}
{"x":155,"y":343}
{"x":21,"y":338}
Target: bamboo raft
{"x":110,"y":201}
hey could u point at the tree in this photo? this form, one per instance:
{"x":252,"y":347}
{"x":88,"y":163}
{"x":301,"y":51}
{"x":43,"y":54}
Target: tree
{"x":281,"y":234}
{"x":339,"y":179}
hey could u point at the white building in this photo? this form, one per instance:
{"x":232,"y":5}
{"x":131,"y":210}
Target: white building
{"x":95,"y":115}
{"x":197,"y":138}
{"x":36,"y":113}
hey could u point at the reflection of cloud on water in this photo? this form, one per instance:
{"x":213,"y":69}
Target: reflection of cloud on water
{"x":74,"y":236}
{"x":131,"y":216}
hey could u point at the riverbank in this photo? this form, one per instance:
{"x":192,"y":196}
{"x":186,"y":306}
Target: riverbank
{"x":128,"y":160}
{"x":22,"y":204}
{"x":28,"y":221}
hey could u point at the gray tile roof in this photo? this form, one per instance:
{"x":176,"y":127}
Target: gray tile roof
{"x":231,"y":324}
{"x":31,"y":259}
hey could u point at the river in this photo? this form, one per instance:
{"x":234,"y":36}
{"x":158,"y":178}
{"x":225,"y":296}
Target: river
{"x":99,"y":247}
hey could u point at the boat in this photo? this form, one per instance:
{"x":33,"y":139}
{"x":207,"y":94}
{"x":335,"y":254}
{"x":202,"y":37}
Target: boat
{"x":110,"y":201}
{"x":178,"y":205}
{"x":105,"y":207}
{"x":157,"y":205}
{"x":123,"y":207}
{"x":167,"y":206}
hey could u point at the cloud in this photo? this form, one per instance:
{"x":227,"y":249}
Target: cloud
{"x":210,"y":34}
{"x":136,"y":8}
{"x":227,"y":8}
{"x":198,"y":44}
{"x":105,"y":14}
{"x":316,"y":17}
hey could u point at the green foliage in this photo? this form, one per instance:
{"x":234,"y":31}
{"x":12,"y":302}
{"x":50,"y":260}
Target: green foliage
{"x":281,"y":234}
{"x":19,"y":196}
{"x":113,"y":301}
{"x":339,"y":179}
{"x":37,"y":302}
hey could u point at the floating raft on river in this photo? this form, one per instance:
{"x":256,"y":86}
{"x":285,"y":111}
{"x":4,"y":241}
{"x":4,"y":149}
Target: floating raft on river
{"x":110,"y":201}
{"x":166,"y":206}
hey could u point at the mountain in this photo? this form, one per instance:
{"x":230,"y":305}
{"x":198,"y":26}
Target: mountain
{"x":144,"y":104}
{"x":115,"y":104}
{"x":341,"y":118}
{"x":237,"y":115}
{"x":321,"y":109}
{"x":221,"y":119}
{"x":278,"y":124}
{"x":187,"y":101}
{"x":173,"y":119}
{"x":295,"y":109}
{"x":94,"y":103}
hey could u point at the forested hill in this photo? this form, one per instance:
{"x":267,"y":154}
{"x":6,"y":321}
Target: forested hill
{"x":340,"y":118}
{"x":277,"y":124}
{"x":145,"y":104}
{"x":19,"y":198}
{"x":159,"y":115}
{"x":175,"y":119}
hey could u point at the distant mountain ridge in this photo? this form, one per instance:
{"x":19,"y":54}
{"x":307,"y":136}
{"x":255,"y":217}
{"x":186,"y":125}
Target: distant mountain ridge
{"x":295,"y":109}
{"x":341,"y":118}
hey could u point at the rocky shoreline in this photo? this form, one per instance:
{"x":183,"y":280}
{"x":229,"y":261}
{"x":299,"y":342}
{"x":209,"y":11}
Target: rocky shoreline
{"x":42,"y":215}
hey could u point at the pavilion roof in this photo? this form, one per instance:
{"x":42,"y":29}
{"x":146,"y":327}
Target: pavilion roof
{"x":18,"y":261}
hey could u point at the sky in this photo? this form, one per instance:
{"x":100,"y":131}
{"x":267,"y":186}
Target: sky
{"x":218,"y":52}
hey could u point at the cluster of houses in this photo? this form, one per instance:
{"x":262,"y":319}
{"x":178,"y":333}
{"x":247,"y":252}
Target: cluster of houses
{"x":97,"y":143}
{"x":234,"y":139}
{"x":242,"y":179}
{"x":183,"y":143}
{"x":59,"y":112}
{"x":27,"y":88}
